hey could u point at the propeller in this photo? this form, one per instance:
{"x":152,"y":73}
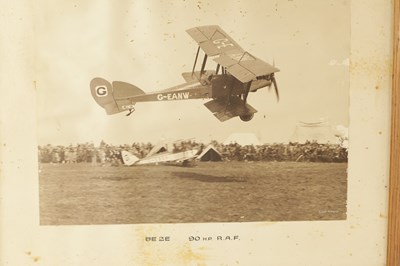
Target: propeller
{"x":275,"y":86}
{"x":273,"y":80}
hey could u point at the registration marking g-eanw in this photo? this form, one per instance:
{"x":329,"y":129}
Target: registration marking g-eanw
{"x":173,"y":96}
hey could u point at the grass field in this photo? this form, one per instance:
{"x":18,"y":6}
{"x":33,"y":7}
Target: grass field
{"x":208,"y":192}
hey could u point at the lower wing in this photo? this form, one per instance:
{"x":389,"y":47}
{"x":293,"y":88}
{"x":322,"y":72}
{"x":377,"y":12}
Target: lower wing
{"x":225,"y":111}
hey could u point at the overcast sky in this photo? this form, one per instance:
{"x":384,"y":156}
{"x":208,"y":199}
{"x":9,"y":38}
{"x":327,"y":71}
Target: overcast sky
{"x":145,"y":43}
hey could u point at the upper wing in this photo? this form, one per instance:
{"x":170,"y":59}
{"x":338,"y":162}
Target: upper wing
{"x":213,"y":40}
{"x":241,"y":64}
{"x":244,"y":66}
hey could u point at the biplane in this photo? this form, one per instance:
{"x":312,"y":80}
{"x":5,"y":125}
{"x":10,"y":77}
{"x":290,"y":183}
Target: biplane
{"x":236,"y":74}
{"x":162,"y":153}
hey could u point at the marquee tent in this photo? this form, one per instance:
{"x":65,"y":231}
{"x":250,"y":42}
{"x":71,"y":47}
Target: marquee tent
{"x":320,"y":132}
{"x":242,"y":139}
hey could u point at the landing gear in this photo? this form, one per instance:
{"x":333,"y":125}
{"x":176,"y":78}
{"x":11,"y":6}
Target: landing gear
{"x":188,"y":163}
{"x":130,"y":111}
{"x":246,"y":118}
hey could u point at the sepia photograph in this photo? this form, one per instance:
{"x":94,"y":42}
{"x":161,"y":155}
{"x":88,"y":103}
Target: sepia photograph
{"x":199,"y":132}
{"x":192,"y":112}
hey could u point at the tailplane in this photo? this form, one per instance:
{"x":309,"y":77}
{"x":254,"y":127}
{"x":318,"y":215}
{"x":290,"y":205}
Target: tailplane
{"x":115,"y":97}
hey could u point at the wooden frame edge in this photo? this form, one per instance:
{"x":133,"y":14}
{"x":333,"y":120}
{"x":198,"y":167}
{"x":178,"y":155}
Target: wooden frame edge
{"x":393,"y":244}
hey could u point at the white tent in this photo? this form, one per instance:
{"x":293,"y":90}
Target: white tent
{"x":242,"y":139}
{"x":210,"y":153}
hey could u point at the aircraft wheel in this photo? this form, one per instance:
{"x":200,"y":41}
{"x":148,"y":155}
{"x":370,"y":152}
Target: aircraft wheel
{"x":246,"y":118}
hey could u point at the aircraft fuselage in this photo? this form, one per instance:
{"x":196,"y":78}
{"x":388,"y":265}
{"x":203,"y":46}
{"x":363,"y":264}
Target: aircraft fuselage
{"x":214,"y":86}
{"x":195,"y":91}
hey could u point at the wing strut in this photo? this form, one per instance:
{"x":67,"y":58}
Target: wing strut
{"x":203,"y":65}
{"x":195,"y":60}
{"x":247,"y":85}
{"x":217,"y":70}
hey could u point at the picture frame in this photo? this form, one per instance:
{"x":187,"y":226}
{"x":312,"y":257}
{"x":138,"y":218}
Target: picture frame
{"x":23,"y":242}
{"x":393,"y":248}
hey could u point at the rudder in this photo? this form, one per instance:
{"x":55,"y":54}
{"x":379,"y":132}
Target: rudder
{"x":115,"y":97}
{"x":102,"y":93}
{"x":128,"y":158}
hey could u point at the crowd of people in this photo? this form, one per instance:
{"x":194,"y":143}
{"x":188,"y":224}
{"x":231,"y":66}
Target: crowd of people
{"x":309,"y":151}
{"x":106,"y":153}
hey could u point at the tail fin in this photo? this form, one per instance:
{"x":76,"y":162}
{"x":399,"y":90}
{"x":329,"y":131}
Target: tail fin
{"x":114,"y":98}
{"x":128,"y":158}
